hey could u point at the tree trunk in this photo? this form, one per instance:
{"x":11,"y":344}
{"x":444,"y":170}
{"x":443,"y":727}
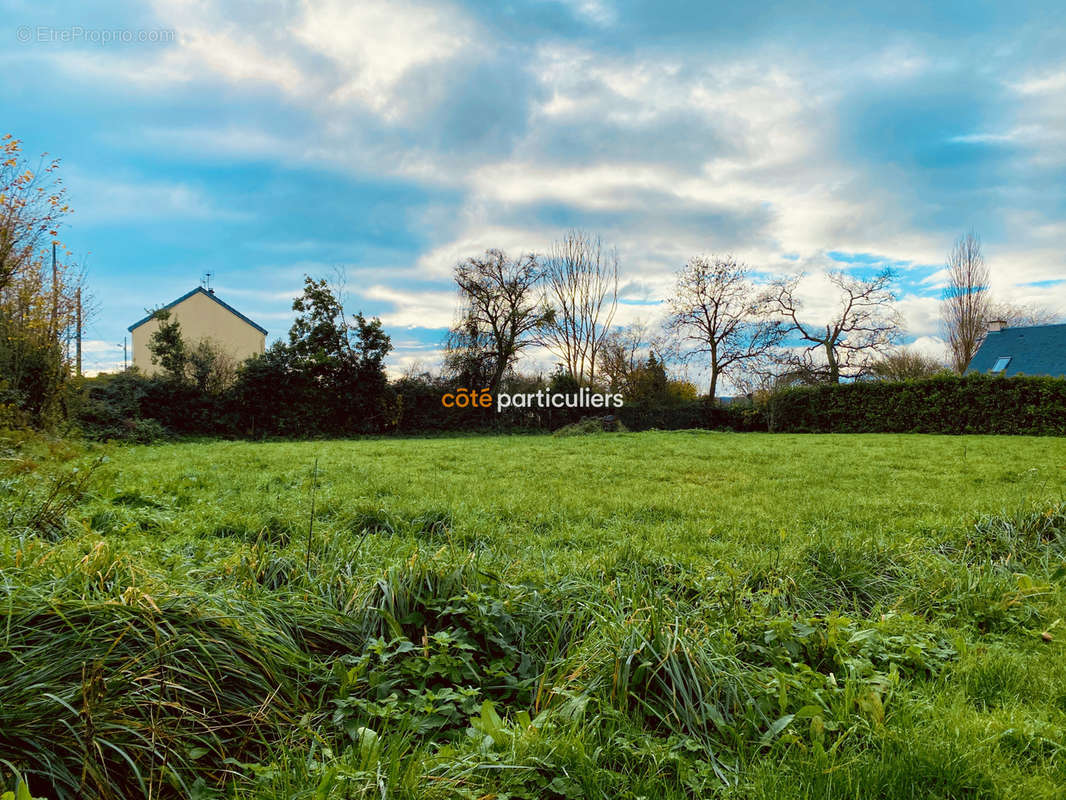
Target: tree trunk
{"x":834,"y":367}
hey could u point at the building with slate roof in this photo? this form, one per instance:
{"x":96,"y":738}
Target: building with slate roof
{"x":1036,"y":350}
{"x":203,"y":317}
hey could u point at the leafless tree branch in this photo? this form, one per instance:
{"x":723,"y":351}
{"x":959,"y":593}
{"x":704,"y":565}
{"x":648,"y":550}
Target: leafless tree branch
{"x":864,"y":326}
{"x":580,"y":298}
{"x":716,"y":314}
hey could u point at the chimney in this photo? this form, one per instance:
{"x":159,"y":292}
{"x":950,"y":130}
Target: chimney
{"x":996,"y":325}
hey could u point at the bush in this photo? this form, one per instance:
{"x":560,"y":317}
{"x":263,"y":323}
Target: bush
{"x":592,"y":425}
{"x":702,"y":414}
{"x":942,"y":404}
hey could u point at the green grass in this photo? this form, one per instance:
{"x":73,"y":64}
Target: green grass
{"x":682,"y":614}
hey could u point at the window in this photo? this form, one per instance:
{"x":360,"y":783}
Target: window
{"x":1001,"y":364}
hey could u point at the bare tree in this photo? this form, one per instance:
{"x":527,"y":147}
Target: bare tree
{"x":966,"y":305}
{"x":580,"y":299}
{"x":863,"y":327}
{"x":762,"y":380}
{"x":904,"y":365}
{"x":623,"y":351}
{"x":498,"y":315}
{"x":716,"y":313}
{"x":1022,"y":315}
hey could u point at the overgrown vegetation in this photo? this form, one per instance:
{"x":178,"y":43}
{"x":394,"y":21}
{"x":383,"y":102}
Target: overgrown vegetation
{"x":41,"y":304}
{"x":672,"y":615}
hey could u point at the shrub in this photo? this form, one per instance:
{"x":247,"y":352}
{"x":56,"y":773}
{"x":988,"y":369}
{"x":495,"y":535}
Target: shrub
{"x":591,"y":425}
{"x":942,"y":404}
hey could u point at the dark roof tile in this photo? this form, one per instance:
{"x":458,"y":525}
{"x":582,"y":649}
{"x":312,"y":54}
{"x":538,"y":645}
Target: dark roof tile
{"x":202,"y":291}
{"x":1036,"y":350}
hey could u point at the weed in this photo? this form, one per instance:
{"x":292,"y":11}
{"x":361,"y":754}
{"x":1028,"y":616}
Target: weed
{"x":667,"y":615}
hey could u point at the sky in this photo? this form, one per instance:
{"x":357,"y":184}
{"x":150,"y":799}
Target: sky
{"x":265,"y":141}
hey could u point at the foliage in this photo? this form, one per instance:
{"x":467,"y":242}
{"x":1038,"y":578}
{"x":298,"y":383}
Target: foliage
{"x":168,"y":348}
{"x":905,"y":365}
{"x":648,"y":385}
{"x":266,"y":401}
{"x":537,"y":617}
{"x":610,"y":424}
{"x":498,"y":317}
{"x":39,"y":291}
{"x":941,"y":404}
{"x":328,"y":378}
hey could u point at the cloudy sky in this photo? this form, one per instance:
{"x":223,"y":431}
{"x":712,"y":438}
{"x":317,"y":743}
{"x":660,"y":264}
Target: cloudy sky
{"x":263,"y":141}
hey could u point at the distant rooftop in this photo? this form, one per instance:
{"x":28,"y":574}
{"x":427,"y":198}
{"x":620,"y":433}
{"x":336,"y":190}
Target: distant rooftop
{"x":207,"y":293}
{"x":1036,"y":350}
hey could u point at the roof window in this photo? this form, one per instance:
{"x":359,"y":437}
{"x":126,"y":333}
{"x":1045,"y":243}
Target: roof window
{"x":1001,"y":364}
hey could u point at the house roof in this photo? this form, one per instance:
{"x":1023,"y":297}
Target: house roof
{"x":203,"y":291}
{"x":1036,"y":350}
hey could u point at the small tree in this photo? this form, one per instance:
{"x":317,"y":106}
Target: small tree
{"x":648,"y":383}
{"x":202,"y":365}
{"x":319,"y":336}
{"x":39,"y":289}
{"x":210,"y":369}
{"x":168,"y":347}
{"x":371,"y":346}
{"x":328,"y":378}
{"x":622,"y":354}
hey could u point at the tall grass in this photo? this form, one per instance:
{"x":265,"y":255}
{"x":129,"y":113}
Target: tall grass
{"x":168,"y":639}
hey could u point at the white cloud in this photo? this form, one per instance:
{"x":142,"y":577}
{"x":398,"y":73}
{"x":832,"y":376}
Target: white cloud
{"x":921,"y":315}
{"x":413,"y":309}
{"x":228,"y":142}
{"x":597,"y":12}
{"x":98,"y":199}
{"x":374,"y":43}
{"x":265,"y":295}
{"x":931,"y":346}
{"x":99,"y":355}
{"x":763,"y":168}
{"x":1046,"y":83}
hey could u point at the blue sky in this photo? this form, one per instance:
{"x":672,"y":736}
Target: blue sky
{"x":264,"y":141}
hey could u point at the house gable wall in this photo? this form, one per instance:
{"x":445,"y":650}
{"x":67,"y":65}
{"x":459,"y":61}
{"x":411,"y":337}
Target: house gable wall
{"x":201,"y":318}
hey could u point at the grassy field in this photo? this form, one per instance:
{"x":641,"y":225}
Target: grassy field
{"x":681,"y":614}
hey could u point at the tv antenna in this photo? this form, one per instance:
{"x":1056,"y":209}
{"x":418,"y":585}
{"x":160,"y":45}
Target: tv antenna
{"x":205,"y":281}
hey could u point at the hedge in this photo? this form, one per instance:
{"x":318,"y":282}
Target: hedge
{"x":943,"y":404}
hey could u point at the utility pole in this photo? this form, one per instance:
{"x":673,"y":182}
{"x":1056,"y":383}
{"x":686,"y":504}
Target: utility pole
{"x":53,"y":327}
{"x":77,"y":332}
{"x":124,"y":361}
